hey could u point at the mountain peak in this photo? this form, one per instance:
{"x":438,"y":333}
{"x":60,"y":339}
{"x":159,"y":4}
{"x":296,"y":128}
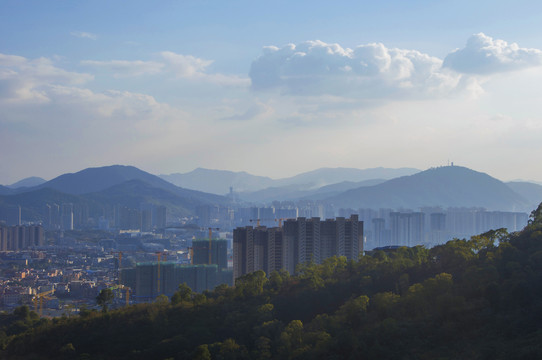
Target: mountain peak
{"x":445,"y":186}
{"x":27,"y":182}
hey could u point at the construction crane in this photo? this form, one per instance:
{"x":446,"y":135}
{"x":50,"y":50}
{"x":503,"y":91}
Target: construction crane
{"x":259,"y":220}
{"x":38,"y":299}
{"x":119,"y":255}
{"x":119,"y":271}
{"x":191,"y":254}
{"x":280,"y":221}
{"x":119,"y":289}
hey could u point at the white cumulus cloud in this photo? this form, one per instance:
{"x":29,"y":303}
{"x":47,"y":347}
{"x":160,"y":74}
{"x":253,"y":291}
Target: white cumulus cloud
{"x":485,"y":55}
{"x":185,"y":65}
{"x":369,"y":71}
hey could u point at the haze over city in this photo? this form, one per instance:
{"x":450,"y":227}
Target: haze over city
{"x":195,"y":179}
{"x":273,"y":89}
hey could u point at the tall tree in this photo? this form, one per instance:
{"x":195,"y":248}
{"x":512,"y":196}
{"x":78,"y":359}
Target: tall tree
{"x":105,"y":298}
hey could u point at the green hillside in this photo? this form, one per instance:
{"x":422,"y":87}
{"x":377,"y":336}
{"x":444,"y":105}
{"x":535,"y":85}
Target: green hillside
{"x":468,"y":299}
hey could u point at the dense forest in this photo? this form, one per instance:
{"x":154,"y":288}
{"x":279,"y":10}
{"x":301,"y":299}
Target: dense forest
{"x":467,"y":299}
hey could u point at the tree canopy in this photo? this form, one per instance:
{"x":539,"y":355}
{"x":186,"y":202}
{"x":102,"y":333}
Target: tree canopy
{"x":469,"y":298}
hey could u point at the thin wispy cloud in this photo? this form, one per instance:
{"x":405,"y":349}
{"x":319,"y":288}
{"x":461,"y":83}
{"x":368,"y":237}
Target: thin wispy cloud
{"x":84,"y":35}
{"x":125,"y":68}
{"x":25,"y":80}
{"x":179,"y":66}
{"x":254,"y":111}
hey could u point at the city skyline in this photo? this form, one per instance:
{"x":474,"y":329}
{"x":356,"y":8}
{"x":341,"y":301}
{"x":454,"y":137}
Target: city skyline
{"x":271,"y":89}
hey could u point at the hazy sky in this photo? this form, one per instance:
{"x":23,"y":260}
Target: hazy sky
{"x":270,"y":87}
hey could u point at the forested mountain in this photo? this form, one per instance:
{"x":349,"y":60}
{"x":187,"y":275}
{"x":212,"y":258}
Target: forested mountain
{"x":92,"y":180}
{"x":466,"y":299}
{"x":449,"y":186}
{"x":97,"y":188}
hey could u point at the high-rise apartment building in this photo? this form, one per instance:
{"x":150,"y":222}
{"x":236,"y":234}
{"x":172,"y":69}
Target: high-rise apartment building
{"x":15,"y":238}
{"x":299,"y":240}
{"x":243,"y":251}
{"x":66,"y":217}
{"x":161,"y":216}
{"x":219,"y":252}
{"x":407,"y":229}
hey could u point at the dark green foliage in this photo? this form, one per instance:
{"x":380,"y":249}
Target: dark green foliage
{"x":105,"y":298}
{"x":468,"y":299}
{"x":183,"y":295}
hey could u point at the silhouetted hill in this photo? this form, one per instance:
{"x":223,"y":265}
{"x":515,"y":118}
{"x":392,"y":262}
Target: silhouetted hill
{"x":96,"y":179}
{"x":335,"y":189}
{"x":298,"y":191}
{"x":327,"y":176}
{"x":219,"y":181}
{"x":39,"y":197}
{"x":33,"y":202}
{"x":97,"y":188}
{"x":93,"y":180}
{"x":132,"y":193}
{"x":4,"y":190}
{"x":280,"y":193}
{"x":449,"y":186}
{"x":529,"y":191}
{"x":27,"y":182}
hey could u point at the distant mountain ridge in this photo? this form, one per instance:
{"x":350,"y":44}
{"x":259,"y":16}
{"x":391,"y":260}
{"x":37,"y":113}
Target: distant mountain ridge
{"x":328,"y":176}
{"x":109,"y":186}
{"x":531,"y":192}
{"x":99,"y":178}
{"x":27,"y":182}
{"x":219,"y":181}
{"x":299,"y":192}
{"x":448,"y":186}
{"x":4,"y":190}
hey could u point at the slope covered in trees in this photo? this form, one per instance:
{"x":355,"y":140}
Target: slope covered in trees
{"x":476,"y":298}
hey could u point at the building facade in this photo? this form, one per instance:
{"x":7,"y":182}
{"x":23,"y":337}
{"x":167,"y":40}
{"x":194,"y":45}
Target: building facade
{"x":15,"y":238}
{"x":298,"y":241}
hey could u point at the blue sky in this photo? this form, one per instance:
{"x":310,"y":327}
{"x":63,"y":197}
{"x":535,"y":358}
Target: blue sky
{"x":272,"y":88}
